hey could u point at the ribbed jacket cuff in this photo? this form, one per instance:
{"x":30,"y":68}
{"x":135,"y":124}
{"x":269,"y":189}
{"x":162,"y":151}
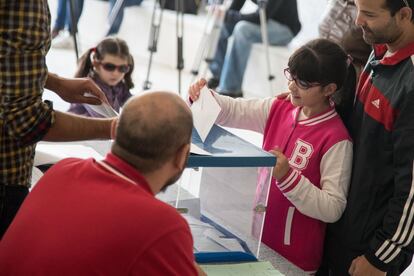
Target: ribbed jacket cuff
{"x":370,"y":255}
{"x":289,"y":181}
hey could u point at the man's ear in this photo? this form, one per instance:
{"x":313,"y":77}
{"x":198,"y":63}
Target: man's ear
{"x":405,"y":14}
{"x":182,"y":156}
{"x":329,"y":89}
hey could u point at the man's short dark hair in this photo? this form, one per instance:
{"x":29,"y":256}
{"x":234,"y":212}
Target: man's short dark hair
{"x":395,"y":5}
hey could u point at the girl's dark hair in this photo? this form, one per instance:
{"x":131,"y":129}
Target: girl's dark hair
{"x":111,"y":46}
{"x":324,"y":61}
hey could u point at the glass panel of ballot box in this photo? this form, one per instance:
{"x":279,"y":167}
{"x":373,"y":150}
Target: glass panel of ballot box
{"x":223,"y":197}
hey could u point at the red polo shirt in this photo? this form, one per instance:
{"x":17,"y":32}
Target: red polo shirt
{"x":82,"y":219}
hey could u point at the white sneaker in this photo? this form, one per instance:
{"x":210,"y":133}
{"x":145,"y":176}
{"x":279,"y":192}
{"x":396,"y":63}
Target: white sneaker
{"x":63,"y":41}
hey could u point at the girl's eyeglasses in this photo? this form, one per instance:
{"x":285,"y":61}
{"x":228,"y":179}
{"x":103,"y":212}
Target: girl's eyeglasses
{"x":300,"y":83}
{"x":110,"y":67}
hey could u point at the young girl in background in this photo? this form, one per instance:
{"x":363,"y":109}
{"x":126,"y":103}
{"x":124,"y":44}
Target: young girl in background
{"x":110,"y":65}
{"x":313,"y":149}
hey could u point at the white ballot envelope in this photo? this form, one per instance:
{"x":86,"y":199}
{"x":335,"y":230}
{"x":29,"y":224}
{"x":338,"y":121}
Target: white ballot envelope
{"x":205,"y":112}
{"x":104,"y":109}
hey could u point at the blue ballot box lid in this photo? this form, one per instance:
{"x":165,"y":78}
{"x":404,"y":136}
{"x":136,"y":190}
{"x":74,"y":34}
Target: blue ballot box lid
{"x":224,"y":257}
{"x":228,"y":150}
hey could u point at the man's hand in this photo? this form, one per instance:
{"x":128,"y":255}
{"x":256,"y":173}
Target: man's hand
{"x":361,"y":267}
{"x":284,"y":96}
{"x":76,"y":90}
{"x":219,"y":11}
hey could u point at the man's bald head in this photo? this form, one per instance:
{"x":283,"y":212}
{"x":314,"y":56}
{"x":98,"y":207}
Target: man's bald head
{"x":151,"y":129}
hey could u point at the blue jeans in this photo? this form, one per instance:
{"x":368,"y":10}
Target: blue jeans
{"x":230,"y":60}
{"x":116,"y":24}
{"x":63,"y":17}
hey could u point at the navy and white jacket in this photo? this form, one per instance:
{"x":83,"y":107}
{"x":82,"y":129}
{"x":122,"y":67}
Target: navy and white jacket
{"x":378,"y":221}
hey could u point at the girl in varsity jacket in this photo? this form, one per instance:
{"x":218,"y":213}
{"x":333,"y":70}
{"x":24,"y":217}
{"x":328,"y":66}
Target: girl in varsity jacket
{"x":313,"y":149}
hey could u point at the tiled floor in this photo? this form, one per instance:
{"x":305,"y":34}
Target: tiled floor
{"x":135,"y":30}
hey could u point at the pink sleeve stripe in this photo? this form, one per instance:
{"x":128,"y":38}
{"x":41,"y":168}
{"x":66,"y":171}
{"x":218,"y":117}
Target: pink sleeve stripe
{"x":290,"y":181}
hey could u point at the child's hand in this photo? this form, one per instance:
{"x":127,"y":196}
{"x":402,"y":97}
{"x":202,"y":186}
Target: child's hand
{"x":282,"y":164}
{"x":195,"y":88}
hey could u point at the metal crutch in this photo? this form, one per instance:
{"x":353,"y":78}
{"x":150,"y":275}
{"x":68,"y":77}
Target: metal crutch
{"x":208,"y":44}
{"x":179,"y":7}
{"x":156,"y":20}
{"x":74,"y":29}
{"x":265,"y":38}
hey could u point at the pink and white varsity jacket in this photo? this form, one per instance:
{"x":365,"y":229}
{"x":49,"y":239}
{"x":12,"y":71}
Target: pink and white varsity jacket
{"x":314,"y":191}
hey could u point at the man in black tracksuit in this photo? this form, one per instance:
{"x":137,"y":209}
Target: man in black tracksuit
{"x":375,"y":233}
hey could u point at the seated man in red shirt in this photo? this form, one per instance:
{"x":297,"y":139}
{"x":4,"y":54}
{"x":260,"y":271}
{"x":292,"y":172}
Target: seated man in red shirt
{"x":100,"y":217}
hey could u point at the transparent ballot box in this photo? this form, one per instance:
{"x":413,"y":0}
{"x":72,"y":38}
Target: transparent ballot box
{"x":223,"y":197}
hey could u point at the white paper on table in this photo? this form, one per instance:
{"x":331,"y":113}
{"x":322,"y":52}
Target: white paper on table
{"x":52,"y":153}
{"x":104,"y":109}
{"x":197,"y":150}
{"x":36,"y":175}
{"x":203,"y":243}
{"x":205,"y":112}
{"x":229,"y":243}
